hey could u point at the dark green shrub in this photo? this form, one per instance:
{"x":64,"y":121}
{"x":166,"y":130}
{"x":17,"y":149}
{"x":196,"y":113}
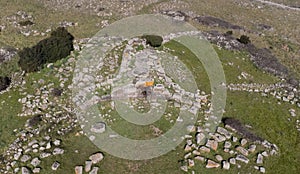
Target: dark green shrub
{"x":4,"y":82}
{"x":57,"y":92}
{"x":25,"y":23}
{"x":49,"y":50}
{"x":229,"y":33}
{"x":153,"y":40}
{"x":34,"y":120}
{"x":244,"y":39}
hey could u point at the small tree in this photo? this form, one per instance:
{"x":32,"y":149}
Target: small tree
{"x":153,"y":40}
{"x":229,"y":33}
{"x":49,"y":50}
{"x":4,"y":82}
{"x":244,"y":39}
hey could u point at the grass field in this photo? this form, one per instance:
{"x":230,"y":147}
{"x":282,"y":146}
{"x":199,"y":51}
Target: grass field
{"x":268,"y":119}
{"x":9,"y":108}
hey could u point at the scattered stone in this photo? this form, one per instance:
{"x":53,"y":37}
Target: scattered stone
{"x":35,"y":161}
{"x":32,"y":142}
{"x":242,"y":150}
{"x":187,"y":155}
{"x":191,"y":162}
{"x":212,"y":164}
{"x":98,"y":127}
{"x":292,"y":112}
{"x":97,"y":157}
{"x":42,"y":148}
{"x":48,"y":146}
{"x":189,"y":142}
{"x":17,"y":155}
{"x":219,"y":157}
{"x":212,"y":144}
{"x":25,"y":158}
{"x":232,"y":160}
{"x":94,"y":170}
{"x":195,"y":152}
{"x":57,"y":142}
{"x":44,"y":155}
{"x":55,"y":165}
{"x":262,"y":169}
{"x":224,"y":132}
{"x":57,"y":151}
{"x":191,"y":128}
{"x":204,"y":149}
{"x":252,"y":148}
{"x":36,"y":170}
{"x":273,"y":152}
{"x":184,"y":168}
{"x":78,"y":169}
{"x":259,"y":159}
{"x":265,"y":154}
{"x":200,"y":158}
{"x":225,"y":165}
{"x":35,"y":146}
{"x":25,"y":170}
{"x":199,"y":137}
{"x":227,"y":144}
{"x":243,"y":142}
{"x":242,"y":158}
{"x":226,"y":150}
{"x":218,"y":137}
{"x":234,"y":139}
{"x":88,"y":166}
{"x":187,"y":148}
{"x":47,"y":138}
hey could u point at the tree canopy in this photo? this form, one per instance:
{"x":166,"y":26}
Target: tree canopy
{"x":57,"y":46}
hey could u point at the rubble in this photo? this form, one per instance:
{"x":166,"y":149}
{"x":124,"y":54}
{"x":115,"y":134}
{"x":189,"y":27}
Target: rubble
{"x":212,"y":164}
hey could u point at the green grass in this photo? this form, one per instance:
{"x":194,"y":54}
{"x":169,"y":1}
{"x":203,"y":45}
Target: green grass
{"x":234,"y":63}
{"x":270,"y":121}
{"x":7,"y":68}
{"x":68,"y":161}
{"x":9,"y":107}
{"x":192,"y":63}
{"x":44,"y":18}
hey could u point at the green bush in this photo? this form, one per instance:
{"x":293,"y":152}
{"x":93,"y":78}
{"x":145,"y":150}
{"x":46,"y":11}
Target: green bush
{"x":49,"y":50}
{"x":26,"y":23}
{"x":229,"y":33}
{"x":244,"y":39}
{"x":153,"y":40}
{"x":4,"y":82}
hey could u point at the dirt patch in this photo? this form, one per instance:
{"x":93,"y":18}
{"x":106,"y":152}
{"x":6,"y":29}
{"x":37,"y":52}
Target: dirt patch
{"x":216,"y":22}
{"x":261,"y":57}
{"x":241,"y":129}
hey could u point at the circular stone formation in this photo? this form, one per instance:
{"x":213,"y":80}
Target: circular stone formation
{"x":91,"y":60}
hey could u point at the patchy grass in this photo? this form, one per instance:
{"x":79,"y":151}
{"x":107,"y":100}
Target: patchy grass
{"x":9,"y":107}
{"x":68,"y":161}
{"x":7,"y":68}
{"x":292,"y":3}
{"x":192,"y":63}
{"x":236,"y":63}
{"x":270,"y":121}
{"x":44,"y":18}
